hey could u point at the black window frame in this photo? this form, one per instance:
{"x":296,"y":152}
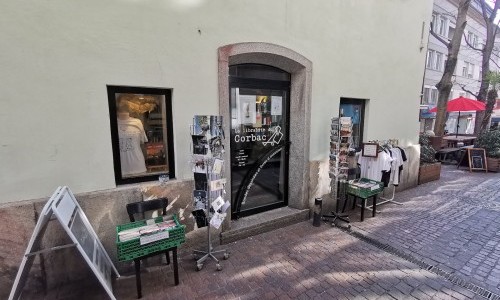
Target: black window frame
{"x":357,"y":101}
{"x":119,"y":89}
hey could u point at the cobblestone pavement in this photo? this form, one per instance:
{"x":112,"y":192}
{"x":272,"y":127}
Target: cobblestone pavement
{"x":296,"y":262}
{"x":453,"y":223}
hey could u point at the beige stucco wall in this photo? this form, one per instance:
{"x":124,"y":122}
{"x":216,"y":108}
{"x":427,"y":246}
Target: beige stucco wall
{"x":57,"y":57}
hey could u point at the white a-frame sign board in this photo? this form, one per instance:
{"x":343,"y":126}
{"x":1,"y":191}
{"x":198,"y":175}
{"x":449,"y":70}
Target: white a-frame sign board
{"x":68,"y":212}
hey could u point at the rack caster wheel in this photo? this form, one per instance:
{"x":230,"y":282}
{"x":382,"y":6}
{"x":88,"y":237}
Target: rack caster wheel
{"x":219,"y":267}
{"x":199,"y":267}
{"x":226,"y":255}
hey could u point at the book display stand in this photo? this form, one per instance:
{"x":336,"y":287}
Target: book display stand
{"x":208,"y":167}
{"x":340,"y":140}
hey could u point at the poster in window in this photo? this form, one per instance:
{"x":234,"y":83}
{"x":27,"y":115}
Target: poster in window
{"x":247,"y":109}
{"x":276,"y":105}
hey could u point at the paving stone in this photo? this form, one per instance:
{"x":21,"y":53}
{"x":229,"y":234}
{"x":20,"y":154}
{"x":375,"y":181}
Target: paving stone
{"x":453,"y":224}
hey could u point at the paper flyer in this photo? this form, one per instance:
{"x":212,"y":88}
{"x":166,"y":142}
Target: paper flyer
{"x":217,"y":220}
{"x":217,"y":203}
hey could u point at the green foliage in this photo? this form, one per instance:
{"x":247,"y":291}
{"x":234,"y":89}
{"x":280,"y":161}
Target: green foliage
{"x":490,"y":141}
{"x":427,"y":152}
{"x":493,"y":78}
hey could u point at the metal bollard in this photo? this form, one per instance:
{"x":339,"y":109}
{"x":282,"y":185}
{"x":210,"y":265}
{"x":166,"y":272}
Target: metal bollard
{"x":318,"y":204}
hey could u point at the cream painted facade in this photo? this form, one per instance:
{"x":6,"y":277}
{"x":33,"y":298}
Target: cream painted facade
{"x":57,"y":58}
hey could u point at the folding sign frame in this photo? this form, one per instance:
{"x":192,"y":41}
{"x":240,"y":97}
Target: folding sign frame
{"x":63,"y":205}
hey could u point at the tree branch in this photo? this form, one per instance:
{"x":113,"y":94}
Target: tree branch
{"x":495,"y":63}
{"x":470,"y":45}
{"x":462,"y":86}
{"x":445,"y":42}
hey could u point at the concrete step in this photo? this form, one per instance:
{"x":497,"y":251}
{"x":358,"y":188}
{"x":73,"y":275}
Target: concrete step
{"x":263,"y":222}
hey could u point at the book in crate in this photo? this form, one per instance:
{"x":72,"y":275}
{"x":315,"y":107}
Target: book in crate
{"x":158,"y":234}
{"x":364,"y":187}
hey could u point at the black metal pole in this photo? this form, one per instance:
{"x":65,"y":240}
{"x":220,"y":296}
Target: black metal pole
{"x":318,"y":203}
{"x":458,"y":123}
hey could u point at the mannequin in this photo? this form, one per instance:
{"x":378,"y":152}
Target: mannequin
{"x":132,"y":137}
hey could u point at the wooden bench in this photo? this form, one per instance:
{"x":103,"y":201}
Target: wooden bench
{"x":443,"y":154}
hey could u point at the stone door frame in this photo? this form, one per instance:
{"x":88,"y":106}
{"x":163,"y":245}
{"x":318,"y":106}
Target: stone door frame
{"x":300,"y":69}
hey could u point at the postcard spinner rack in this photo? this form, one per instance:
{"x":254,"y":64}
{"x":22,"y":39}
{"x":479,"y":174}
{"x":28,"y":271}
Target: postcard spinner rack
{"x":208,"y":150}
{"x":340,"y":141}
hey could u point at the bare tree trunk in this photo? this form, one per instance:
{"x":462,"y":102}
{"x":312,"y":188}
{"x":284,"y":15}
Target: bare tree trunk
{"x":483,"y":118}
{"x":492,"y":98}
{"x":445,"y":84}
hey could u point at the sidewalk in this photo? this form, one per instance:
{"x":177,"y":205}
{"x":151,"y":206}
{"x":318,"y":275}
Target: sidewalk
{"x":453,"y":225}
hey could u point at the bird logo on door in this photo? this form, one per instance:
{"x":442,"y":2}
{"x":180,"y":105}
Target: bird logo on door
{"x":275,"y":138}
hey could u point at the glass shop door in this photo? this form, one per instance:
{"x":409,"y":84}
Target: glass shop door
{"x":259,"y":143}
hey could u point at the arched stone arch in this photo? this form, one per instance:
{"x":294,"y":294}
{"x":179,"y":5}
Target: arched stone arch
{"x":300,"y":69}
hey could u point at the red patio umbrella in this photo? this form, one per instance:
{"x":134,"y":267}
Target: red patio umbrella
{"x":462,"y":104}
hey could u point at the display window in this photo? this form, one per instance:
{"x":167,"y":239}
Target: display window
{"x":355,"y":109}
{"x":141,"y":131}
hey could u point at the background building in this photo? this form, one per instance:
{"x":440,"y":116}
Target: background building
{"x":468,"y":71}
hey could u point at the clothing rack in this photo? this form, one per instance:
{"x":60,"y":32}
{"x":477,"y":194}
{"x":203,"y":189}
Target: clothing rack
{"x":387,"y":145}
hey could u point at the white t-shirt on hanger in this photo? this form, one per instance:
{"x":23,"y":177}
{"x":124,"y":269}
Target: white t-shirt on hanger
{"x":131,"y":135}
{"x":398,"y":161}
{"x":372,"y":167}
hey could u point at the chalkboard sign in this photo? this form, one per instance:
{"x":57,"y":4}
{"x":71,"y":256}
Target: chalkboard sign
{"x":477,"y":159}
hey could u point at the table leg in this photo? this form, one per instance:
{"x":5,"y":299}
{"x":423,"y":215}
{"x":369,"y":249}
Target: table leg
{"x":374,"y":208}
{"x":345,"y":203}
{"x":176,"y":267}
{"x":167,"y":255}
{"x":354,"y":201}
{"x":138,"y":277}
{"x":363,"y":206}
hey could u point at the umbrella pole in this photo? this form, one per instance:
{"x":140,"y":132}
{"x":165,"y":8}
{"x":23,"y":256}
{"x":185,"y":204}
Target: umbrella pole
{"x":458,"y":123}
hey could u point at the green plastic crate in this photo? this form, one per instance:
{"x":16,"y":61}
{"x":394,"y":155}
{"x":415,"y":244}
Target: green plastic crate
{"x":365,"y":192}
{"x":132,"y":249}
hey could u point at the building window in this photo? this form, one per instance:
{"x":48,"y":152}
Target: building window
{"x":354,"y":108}
{"x":434,"y":60}
{"x":141,"y":132}
{"x":468,"y":70}
{"x":430,"y":95}
{"x":434,"y":22}
{"x":443,"y":26}
{"x":430,"y":59}
{"x":439,"y":61}
{"x":472,"y":39}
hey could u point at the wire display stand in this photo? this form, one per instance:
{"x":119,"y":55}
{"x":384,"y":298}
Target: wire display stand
{"x":208,"y":150}
{"x":340,"y":138}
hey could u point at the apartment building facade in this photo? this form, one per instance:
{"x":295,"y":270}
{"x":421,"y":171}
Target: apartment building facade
{"x":468,"y":72}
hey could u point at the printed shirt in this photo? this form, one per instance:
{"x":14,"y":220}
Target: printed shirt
{"x":131,"y":135}
{"x":372,"y":167}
